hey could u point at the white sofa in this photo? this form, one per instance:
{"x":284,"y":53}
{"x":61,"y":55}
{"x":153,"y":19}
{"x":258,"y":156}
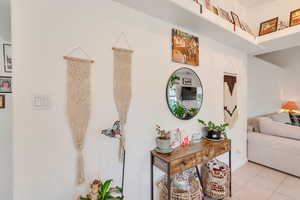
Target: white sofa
{"x":274,"y":144}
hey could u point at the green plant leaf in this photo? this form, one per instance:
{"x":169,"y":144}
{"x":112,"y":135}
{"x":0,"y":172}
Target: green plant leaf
{"x":202,"y":122}
{"x":105,"y":189}
{"x":82,"y":198}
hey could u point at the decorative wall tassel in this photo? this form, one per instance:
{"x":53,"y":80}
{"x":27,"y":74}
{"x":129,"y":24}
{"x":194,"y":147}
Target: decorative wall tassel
{"x":78,"y":102}
{"x":122,"y":90}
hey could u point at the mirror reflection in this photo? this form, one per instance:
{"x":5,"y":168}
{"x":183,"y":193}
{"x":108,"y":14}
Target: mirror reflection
{"x":184,"y":94}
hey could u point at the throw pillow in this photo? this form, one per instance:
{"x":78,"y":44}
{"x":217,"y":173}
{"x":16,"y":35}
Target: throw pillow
{"x":295,"y":119}
{"x":282,"y":118}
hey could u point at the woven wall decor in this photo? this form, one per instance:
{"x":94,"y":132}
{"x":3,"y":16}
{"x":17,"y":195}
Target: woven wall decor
{"x":78,"y":107}
{"x":122,"y":89}
{"x":230,"y":99}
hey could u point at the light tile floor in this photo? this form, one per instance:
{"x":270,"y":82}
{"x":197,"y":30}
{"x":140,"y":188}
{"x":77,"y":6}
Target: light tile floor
{"x":255,"y":182}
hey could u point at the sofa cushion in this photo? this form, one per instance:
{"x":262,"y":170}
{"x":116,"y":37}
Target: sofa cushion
{"x":270,"y":127}
{"x":283,"y":117}
{"x":295,"y":119}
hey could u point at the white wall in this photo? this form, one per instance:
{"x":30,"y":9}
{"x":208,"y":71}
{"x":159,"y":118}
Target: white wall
{"x":5,"y":19}
{"x":264,"y":87}
{"x":5,"y":114}
{"x":270,"y":10}
{"x":44,"y":156}
{"x":5,"y":139}
{"x":291,"y":83}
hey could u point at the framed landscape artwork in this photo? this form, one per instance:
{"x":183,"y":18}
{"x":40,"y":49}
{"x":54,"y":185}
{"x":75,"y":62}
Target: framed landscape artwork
{"x":185,"y":48}
{"x":7,"y":57}
{"x":2,"y":101}
{"x":5,"y":84}
{"x":269,"y":26}
{"x":295,"y":17}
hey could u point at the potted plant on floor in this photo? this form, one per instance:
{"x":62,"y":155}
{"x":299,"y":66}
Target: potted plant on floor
{"x":103,"y":191}
{"x":163,"y":141}
{"x":215,"y":132}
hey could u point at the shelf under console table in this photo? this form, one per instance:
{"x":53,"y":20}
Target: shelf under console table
{"x":184,"y":158}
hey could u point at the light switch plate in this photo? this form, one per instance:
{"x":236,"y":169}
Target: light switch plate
{"x":41,"y":102}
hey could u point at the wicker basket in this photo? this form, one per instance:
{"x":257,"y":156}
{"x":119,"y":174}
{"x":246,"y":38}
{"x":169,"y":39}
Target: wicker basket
{"x":216,"y":179}
{"x":193,"y":192}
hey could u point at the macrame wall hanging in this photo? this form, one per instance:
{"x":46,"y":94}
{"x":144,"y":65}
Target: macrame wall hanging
{"x":230,"y":99}
{"x":78,"y":105}
{"x":122,"y":87}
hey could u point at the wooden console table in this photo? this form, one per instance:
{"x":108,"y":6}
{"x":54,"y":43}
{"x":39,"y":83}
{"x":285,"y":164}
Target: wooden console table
{"x":183,"y":158}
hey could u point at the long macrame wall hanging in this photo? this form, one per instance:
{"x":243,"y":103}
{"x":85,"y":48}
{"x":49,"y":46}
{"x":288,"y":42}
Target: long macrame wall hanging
{"x":78,"y":106}
{"x":122,"y":93}
{"x":122,"y":90}
{"x":230,"y":99}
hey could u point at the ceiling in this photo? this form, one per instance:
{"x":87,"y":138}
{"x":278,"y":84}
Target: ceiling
{"x":282,"y":58}
{"x":251,"y":3}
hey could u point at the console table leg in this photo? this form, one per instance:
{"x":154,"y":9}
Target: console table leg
{"x":151,"y":177}
{"x":169,"y":182}
{"x":198,"y":174}
{"x":230,"y":185}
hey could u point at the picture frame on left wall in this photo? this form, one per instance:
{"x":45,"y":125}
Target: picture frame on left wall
{"x":269,"y":26}
{"x":5,"y":84}
{"x":7,"y":58}
{"x":2,"y":101}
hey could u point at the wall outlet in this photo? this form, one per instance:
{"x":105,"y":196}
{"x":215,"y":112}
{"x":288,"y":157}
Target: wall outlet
{"x":40,"y":102}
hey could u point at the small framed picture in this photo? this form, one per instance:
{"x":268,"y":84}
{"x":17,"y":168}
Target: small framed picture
{"x":208,"y":4}
{"x":225,"y":15}
{"x":269,"y":26}
{"x":2,"y":101}
{"x":186,"y":81}
{"x":236,"y":20}
{"x":5,"y":84}
{"x":7,"y":58}
{"x":215,"y":10}
{"x":295,"y":17}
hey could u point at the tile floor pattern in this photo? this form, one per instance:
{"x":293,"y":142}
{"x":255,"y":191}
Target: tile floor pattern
{"x":255,"y":182}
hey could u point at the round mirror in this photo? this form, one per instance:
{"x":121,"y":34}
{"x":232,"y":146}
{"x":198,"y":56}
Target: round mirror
{"x":184,"y":94}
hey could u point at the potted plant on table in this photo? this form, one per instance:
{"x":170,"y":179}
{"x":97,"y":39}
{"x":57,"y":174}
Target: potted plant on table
{"x":163,"y":141}
{"x":214,"y":131}
{"x":103,"y":191}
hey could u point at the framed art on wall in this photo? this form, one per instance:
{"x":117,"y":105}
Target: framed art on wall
{"x":295,"y":17}
{"x":7,"y":58}
{"x":2,"y":101}
{"x":230,"y":99}
{"x":269,"y":26}
{"x":186,"y":81}
{"x":215,"y":10}
{"x":225,"y":15}
{"x":185,"y":48}
{"x":208,"y":4}
{"x":5,"y":84}
{"x":236,"y":20}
